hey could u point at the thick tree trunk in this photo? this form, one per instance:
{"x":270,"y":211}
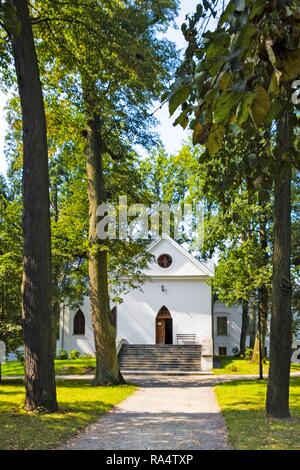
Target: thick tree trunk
{"x":36,"y":288}
{"x":107,"y":371}
{"x":277,"y":404}
{"x":245,"y":324}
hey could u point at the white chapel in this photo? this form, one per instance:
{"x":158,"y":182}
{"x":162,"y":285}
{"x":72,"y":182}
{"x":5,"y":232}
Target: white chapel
{"x":174,"y":307}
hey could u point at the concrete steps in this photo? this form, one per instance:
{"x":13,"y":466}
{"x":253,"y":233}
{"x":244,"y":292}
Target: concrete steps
{"x":161,"y":359}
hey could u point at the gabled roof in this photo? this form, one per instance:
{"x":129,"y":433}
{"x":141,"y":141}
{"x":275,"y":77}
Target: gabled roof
{"x":203,"y":267}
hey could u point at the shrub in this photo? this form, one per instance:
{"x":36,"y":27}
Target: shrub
{"x":74,"y":354}
{"x":248,"y":354}
{"x":62,"y":354}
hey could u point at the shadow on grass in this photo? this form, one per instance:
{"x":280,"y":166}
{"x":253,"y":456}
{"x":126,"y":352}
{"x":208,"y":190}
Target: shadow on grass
{"x":243,"y":406}
{"x":79,"y":405}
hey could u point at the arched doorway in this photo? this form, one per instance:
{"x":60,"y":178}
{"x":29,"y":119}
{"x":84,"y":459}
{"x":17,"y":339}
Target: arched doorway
{"x":164,"y":327}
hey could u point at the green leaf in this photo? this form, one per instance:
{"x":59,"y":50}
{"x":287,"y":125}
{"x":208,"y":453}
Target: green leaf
{"x":198,"y":129}
{"x":216,"y":51}
{"x":257,"y":7}
{"x":290,"y":66}
{"x":244,"y":107}
{"x":274,"y":86}
{"x":225,"y":17}
{"x":182,"y":119}
{"x":225,"y":81}
{"x":244,"y":36}
{"x":215,"y":139}
{"x":178,"y":97}
{"x":260,"y":106}
{"x":224,"y":105}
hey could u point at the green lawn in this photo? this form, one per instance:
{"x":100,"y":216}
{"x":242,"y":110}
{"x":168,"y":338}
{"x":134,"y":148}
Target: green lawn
{"x":242,"y":403}
{"x":237,"y":365}
{"x":62,"y":367}
{"x":80,"y":404}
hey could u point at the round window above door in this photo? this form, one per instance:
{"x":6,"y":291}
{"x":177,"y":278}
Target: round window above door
{"x":164,"y":260}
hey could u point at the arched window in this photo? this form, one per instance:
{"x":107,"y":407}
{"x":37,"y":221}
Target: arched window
{"x":79,"y":323}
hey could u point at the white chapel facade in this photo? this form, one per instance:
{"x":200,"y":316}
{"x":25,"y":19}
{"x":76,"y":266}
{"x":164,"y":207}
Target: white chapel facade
{"x":174,"y":306}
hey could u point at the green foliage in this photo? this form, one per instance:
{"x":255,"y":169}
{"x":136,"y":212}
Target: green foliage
{"x":117,"y":45}
{"x":62,"y":354}
{"x":10,"y":268}
{"x":248,"y":354}
{"x":73,"y":354}
{"x":240,"y":74}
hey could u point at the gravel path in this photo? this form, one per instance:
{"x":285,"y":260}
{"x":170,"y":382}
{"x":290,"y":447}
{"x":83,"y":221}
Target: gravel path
{"x":165,"y":413}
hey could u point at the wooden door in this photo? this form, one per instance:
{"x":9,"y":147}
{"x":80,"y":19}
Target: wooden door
{"x":164,"y":327}
{"x":160,"y":331}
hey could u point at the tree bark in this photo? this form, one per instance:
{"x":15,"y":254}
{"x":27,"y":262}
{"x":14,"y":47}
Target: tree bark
{"x":277,"y":404}
{"x":36,"y":287}
{"x":263,"y":294}
{"x":56,"y":300}
{"x":252,"y":322}
{"x":107,"y":371}
{"x":263,"y":307}
{"x":245,"y":323}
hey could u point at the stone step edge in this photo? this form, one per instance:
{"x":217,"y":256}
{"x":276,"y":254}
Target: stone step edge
{"x":164,"y":372}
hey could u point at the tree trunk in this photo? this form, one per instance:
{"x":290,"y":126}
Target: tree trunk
{"x":252,"y":322}
{"x":36,"y":287}
{"x":263,"y":294}
{"x":107,"y":371}
{"x":263,"y":307}
{"x":244,"y":329}
{"x":277,"y":404}
{"x":56,"y":300}
{"x":55,"y":322}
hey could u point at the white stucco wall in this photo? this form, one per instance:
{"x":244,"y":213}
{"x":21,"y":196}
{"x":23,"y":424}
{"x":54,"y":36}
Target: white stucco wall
{"x":189,"y":302}
{"x":67,"y":340}
{"x":234,"y":323}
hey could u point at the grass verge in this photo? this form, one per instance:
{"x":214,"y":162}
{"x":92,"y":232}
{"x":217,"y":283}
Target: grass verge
{"x":243,"y":403}
{"x":239,"y":366}
{"x":79,"y":366}
{"x":80,"y":404}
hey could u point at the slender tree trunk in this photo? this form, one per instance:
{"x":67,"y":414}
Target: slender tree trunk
{"x":263,"y":294}
{"x":56,"y":302}
{"x":245,"y":311}
{"x":107,"y":371}
{"x":36,"y":288}
{"x":263,"y":307}
{"x":277,"y":404}
{"x":252,"y":322}
{"x":245,"y":324}
{"x":55,"y":322}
